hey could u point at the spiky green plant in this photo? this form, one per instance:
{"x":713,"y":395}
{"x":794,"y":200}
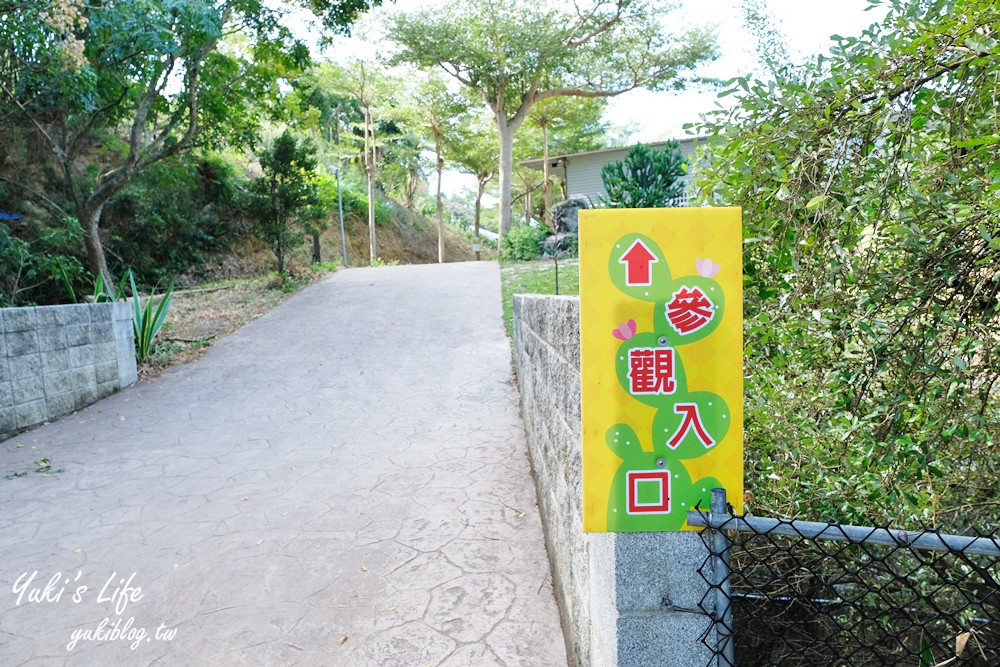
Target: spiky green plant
{"x":147,"y":320}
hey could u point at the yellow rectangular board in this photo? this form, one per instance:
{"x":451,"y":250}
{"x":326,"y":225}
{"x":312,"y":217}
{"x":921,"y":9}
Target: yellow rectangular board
{"x":661,"y":329}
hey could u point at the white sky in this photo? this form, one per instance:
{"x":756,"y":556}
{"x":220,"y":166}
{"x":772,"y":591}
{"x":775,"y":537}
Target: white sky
{"x":806,"y":25}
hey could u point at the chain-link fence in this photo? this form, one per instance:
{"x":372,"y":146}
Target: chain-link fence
{"x":790,"y":593}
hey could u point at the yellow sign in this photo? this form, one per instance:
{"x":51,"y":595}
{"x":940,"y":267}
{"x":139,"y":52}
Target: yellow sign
{"x":661,"y":327}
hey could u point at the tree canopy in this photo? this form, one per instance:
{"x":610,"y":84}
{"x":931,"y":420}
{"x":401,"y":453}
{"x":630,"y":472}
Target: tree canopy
{"x":870,"y":185}
{"x":157,"y":76}
{"x":514,"y":54}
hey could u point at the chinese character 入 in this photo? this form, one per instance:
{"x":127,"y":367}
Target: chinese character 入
{"x":691,"y":420}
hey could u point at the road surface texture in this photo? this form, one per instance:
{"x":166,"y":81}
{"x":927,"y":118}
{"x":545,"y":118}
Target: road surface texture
{"x":342,"y":482}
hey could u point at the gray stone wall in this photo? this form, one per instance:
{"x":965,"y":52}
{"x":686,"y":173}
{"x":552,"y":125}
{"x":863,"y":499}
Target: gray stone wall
{"x":56,"y":359}
{"x":626,"y":599}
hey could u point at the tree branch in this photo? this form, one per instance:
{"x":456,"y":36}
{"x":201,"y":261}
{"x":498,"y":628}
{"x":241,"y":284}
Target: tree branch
{"x":47,"y":203}
{"x":600,"y":29}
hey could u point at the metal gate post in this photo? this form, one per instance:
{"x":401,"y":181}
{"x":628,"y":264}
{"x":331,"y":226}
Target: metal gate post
{"x":720,"y":566}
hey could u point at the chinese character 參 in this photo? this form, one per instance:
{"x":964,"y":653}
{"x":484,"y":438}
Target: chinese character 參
{"x":689,"y":310}
{"x":692,"y":419}
{"x":651,"y":370}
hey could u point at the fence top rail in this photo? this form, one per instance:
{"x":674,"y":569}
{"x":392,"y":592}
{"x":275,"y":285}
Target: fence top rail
{"x":922,"y":539}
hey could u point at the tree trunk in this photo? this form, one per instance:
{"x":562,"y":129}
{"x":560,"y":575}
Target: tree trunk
{"x":440,"y":205}
{"x":280,"y":252}
{"x":479,"y":208}
{"x":370,"y":156}
{"x":96,"y":261}
{"x":546,"y":179}
{"x":506,"y":131}
{"x":316,"y":254}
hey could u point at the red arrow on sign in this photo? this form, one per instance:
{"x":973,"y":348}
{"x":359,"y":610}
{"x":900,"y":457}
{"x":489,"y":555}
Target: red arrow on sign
{"x":638,"y":260}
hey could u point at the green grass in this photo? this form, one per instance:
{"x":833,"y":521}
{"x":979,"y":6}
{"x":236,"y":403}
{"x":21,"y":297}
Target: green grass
{"x":536,"y":277}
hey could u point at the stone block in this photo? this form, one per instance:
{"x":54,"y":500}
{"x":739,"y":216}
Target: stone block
{"x":60,"y":404}
{"x":124,"y":347}
{"x":5,"y":375}
{"x":105,"y":351}
{"x":107,"y":388}
{"x":6,"y":395}
{"x":80,"y":314}
{"x":647,"y":639}
{"x":28,"y":389}
{"x":60,"y":316}
{"x":51,"y":338}
{"x":103,"y":331}
{"x":106,"y":371}
{"x":25,"y":366}
{"x":86,"y":395}
{"x":128,"y":373}
{"x":122,"y":312}
{"x":653,"y":567}
{"x":77,"y":335}
{"x":3,"y":342}
{"x":75,"y":379}
{"x":29,"y":414}
{"x":19,"y":319}
{"x":22,"y":342}
{"x":82,"y":355}
{"x":8,"y":420}
{"x":102,"y":312}
{"x":56,"y":361}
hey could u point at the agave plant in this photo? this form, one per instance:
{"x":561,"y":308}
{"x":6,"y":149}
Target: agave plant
{"x":148,"y":320}
{"x":101,"y":295}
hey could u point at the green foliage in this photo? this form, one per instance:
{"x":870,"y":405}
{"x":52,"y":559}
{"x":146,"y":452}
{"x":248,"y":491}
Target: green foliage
{"x":535,"y":278}
{"x":102,"y":295}
{"x":172,"y":215}
{"x":147,"y":320}
{"x":40,"y":261}
{"x":355,"y":201}
{"x":589,"y":49}
{"x":522,"y":242}
{"x":646,"y":178}
{"x":287,"y":196}
{"x":870,"y":187}
{"x":572,"y":125}
{"x":148,"y":79}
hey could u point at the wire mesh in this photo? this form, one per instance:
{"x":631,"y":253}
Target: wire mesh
{"x":845,"y":595}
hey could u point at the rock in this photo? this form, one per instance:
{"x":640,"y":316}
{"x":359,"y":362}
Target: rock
{"x":563,"y":243}
{"x":564,"y":214}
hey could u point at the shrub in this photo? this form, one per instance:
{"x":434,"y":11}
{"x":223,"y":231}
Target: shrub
{"x":522,"y":242}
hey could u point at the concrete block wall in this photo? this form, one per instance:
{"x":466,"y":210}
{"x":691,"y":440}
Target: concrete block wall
{"x":56,"y":359}
{"x":628,"y":599}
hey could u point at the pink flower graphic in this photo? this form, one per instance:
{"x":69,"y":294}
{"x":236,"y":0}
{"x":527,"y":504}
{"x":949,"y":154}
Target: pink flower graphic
{"x":625,"y":330}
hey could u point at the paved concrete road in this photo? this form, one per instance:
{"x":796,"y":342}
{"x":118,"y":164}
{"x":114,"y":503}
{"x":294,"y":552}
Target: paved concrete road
{"x":342,"y":482}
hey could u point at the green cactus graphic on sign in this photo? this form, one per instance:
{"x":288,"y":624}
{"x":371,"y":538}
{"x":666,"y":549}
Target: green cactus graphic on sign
{"x":652,"y":489}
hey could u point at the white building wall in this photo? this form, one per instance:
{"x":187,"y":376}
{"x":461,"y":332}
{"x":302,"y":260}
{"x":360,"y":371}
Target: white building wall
{"x":583,"y":172}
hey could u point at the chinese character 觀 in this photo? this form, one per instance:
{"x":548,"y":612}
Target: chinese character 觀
{"x":651,"y":370}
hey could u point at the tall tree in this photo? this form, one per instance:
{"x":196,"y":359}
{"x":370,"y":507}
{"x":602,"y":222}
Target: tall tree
{"x":436,"y":109}
{"x":474,"y":148}
{"x":576,"y":121}
{"x":516,"y":53}
{"x":373,"y":90}
{"x":286,"y":198}
{"x":150,"y":71}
